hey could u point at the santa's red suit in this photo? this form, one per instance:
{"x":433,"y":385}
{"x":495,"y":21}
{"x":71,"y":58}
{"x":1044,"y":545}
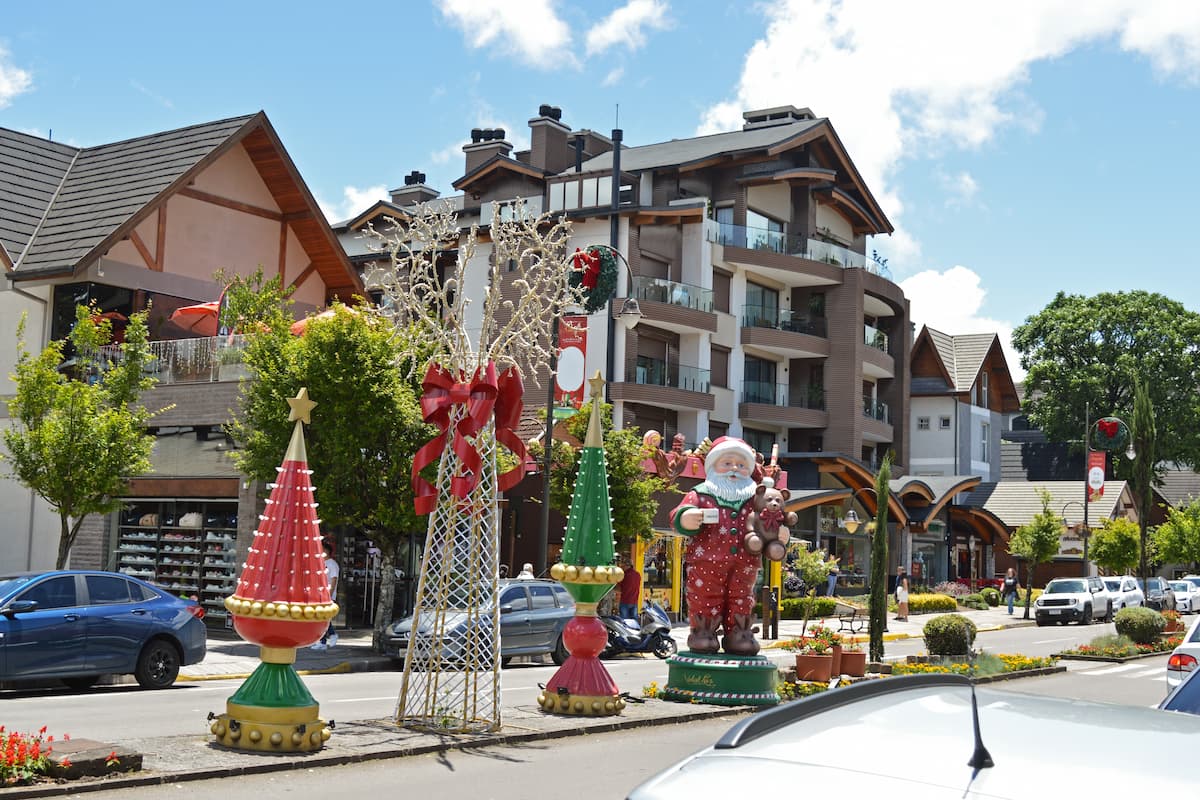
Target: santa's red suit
{"x":720,"y":572}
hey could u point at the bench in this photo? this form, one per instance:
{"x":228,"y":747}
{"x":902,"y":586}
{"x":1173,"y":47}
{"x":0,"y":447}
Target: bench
{"x":853,"y":621}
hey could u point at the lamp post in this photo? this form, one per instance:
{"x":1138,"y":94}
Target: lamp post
{"x":1094,"y":477}
{"x":1084,"y":533}
{"x":630,"y":315}
{"x":879,"y":557}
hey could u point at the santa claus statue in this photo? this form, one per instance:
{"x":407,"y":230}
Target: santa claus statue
{"x":720,"y":571}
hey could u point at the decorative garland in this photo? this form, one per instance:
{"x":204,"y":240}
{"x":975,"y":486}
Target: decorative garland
{"x":1111,"y":434}
{"x":596,"y":272}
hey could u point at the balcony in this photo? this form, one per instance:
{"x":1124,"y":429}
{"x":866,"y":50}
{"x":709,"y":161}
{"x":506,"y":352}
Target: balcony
{"x":873,"y":337}
{"x":764,"y":240}
{"x":784,"y":333}
{"x":777,"y":404}
{"x":656,"y":382}
{"x":674,"y":306}
{"x":586,"y":190}
{"x":203,"y":360}
{"x":877,"y":362}
{"x":877,"y":421}
{"x":877,"y":410}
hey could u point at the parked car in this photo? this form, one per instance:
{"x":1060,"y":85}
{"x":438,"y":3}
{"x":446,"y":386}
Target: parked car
{"x":804,"y":743}
{"x":1159,"y":594}
{"x":533,"y":614}
{"x":1186,"y":657}
{"x":1123,"y":592}
{"x":76,"y":625}
{"x":1187,"y":596}
{"x":1194,"y":580}
{"x":1073,"y":599}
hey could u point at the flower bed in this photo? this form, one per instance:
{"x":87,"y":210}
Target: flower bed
{"x":983,"y":666}
{"x":1120,"y":651}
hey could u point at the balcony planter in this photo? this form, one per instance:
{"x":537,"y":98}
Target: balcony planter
{"x":814,"y":667}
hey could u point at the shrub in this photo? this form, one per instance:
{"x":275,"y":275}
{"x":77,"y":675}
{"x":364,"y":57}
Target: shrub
{"x":991,"y":596}
{"x":952,"y":588}
{"x":1143,"y":625}
{"x":949,"y":635}
{"x":930,"y":603}
{"x":793,"y":607}
{"x":974,"y":601}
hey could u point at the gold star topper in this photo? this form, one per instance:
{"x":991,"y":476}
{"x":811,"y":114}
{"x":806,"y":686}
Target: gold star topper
{"x":301,"y":407}
{"x":597,"y":384}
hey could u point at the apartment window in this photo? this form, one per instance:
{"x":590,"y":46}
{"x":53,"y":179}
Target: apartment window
{"x":719,"y":367}
{"x":922,"y":423}
{"x":717,"y":429}
{"x":720,"y":291}
{"x":944,"y":423}
{"x":758,"y":382}
{"x":985,"y":435}
{"x":761,"y":441}
{"x":983,"y":389}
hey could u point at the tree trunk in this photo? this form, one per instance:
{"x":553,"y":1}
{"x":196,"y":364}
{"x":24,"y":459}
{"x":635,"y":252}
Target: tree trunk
{"x":65,"y":538}
{"x":1029,"y":590}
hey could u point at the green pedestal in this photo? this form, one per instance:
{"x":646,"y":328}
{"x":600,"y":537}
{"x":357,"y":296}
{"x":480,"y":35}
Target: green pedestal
{"x":721,"y":679}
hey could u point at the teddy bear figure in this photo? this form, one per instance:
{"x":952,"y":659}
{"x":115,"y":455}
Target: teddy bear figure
{"x":767,"y":525}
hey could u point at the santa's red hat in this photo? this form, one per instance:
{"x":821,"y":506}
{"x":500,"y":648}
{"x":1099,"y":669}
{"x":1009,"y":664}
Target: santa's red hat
{"x":725,"y":445}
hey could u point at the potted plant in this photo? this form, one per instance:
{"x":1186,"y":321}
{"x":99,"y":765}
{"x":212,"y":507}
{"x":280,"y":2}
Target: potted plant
{"x":833,"y":641}
{"x":854,"y":659}
{"x":814,"y":662}
{"x":1174,"y":622}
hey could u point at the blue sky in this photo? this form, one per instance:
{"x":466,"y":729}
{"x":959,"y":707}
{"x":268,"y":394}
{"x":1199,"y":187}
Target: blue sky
{"x":1020,"y":148}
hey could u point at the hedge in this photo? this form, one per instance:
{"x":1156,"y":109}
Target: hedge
{"x":793,"y":607}
{"x":930,"y":603}
{"x":1143,"y":625}
{"x":991,"y":596}
{"x":974,"y":601}
{"x":949,"y":635}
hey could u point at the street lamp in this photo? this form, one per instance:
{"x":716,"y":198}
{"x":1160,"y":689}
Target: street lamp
{"x":1084,"y":533}
{"x":1094,"y":476}
{"x":630,"y":315}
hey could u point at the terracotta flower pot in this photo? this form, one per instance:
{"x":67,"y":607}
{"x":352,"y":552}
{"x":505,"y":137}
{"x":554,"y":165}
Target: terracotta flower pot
{"x":854,"y":663}
{"x":836,"y":667}
{"x":812,"y":667}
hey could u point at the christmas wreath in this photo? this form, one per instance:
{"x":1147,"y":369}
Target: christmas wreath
{"x":595,"y":271}
{"x":1110,"y":433}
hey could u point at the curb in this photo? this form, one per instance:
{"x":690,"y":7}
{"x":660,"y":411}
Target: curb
{"x":1110,"y":659}
{"x":336,"y":669}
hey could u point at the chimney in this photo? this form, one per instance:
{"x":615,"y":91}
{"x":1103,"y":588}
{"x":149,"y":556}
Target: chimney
{"x":549,"y":149}
{"x":414,"y":191}
{"x":779,"y":115}
{"x":485,"y":143}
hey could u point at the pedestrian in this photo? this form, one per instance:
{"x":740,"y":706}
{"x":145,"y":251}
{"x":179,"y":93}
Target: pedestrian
{"x":831,"y":578}
{"x":1010,"y":588}
{"x":902,"y":596}
{"x":629,"y":590}
{"x":332,"y":571}
{"x":526,"y":573}
{"x":503,"y":571}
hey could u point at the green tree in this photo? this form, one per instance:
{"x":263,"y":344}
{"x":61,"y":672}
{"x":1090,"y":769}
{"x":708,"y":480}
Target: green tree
{"x":631,"y":489}
{"x":1145,"y":441}
{"x":1037,"y":542}
{"x":1085,"y":350}
{"x":253,"y":303}
{"x":76,"y":442}
{"x":1177,"y":539}
{"x":365,"y":428}
{"x":1115,"y":547}
{"x":879,"y":562}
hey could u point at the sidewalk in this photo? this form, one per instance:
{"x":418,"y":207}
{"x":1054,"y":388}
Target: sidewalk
{"x":195,"y":757}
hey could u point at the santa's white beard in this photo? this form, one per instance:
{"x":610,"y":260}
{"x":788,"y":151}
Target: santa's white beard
{"x":731,"y":487}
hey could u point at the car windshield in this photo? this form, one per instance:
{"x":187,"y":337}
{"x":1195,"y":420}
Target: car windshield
{"x":1182,"y":586}
{"x":8,"y":584}
{"x":1155,"y":584}
{"x":1112,"y":584}
{"x":1065,"y":587}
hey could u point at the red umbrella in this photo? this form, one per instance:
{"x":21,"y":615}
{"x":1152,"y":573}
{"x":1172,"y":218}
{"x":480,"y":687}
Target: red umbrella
{"x":200,"y":318}
{"x":301,"y":325}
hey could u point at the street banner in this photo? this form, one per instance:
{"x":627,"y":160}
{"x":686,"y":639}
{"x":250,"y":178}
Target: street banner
{"x":1095,"y":474}
{"x":572,"y":354}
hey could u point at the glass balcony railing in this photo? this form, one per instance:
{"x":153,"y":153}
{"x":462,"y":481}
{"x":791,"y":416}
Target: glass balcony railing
{"x":656,"y":372}
{"x":781,"y":319}
{"x":209,"y":358}
{"x":725,"y":233}
{"x":875,"y":409}
{"x":780,"y":394}
{"x":873,"y":337}
{"x":677,"y":294}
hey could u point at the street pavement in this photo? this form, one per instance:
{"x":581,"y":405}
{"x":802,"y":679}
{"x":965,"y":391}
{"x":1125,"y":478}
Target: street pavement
{"x":172,"y":759}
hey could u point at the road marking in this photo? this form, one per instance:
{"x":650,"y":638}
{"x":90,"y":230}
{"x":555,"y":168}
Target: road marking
{"x":1052,"y":641}
{"x":1112,"y":670}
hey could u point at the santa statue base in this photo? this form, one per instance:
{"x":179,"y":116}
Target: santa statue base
{"x":273,"y":711}
{"x":721,"y":679}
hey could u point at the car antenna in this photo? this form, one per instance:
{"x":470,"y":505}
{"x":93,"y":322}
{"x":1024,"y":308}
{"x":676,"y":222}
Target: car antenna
{"x":980,"y":759}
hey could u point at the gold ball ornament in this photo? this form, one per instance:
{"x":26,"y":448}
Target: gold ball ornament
{"x":296,"y":612}
{"x":256,"y":608}
{"x":268,"y":609}
{"x":276,"y":738}
{"x":297,"y":739}
{"x":309,"y":612}
{"x":325,"y":734}
{"x":218,"y":729}
{"x":256,"y":736}
{"x":601,"y":574}
{"x":557,"y":571}
{"x":571,"y":572}
{"x":597,"y":706}
{"x":585,"y":574}
{"x":315,"y":737}
{"x":610,"y":706}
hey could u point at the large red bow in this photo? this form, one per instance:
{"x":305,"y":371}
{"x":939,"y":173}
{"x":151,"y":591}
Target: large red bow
{"x":1108,"y":427}
{"x":589,"y":263}
{"x":483,"y":395}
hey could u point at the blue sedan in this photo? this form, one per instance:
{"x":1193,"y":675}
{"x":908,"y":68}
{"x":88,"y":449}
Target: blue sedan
{"x":76,"y":625}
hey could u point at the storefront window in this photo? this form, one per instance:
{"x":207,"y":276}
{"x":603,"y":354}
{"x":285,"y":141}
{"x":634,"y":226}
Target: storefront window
{"x":851,"y":552}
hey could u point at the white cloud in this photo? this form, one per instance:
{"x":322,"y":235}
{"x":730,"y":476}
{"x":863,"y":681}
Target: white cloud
{"x":531,"y":30}
{"x":354,"y":201}
{"x":960,"y":189}
{"x":613,"y":76}
{"x":627,"y":26}
{"x":950,"y":302}
{"x":13,"y":80}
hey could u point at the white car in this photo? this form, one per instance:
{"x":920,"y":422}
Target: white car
{"x":1124,"y":592}
{"x":1073,"y":599}
{"x":1185,"y":657}
{"x":1187,"y":597}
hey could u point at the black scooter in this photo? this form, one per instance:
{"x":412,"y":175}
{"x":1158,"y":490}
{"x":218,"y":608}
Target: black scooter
{"x":652,"y":635}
